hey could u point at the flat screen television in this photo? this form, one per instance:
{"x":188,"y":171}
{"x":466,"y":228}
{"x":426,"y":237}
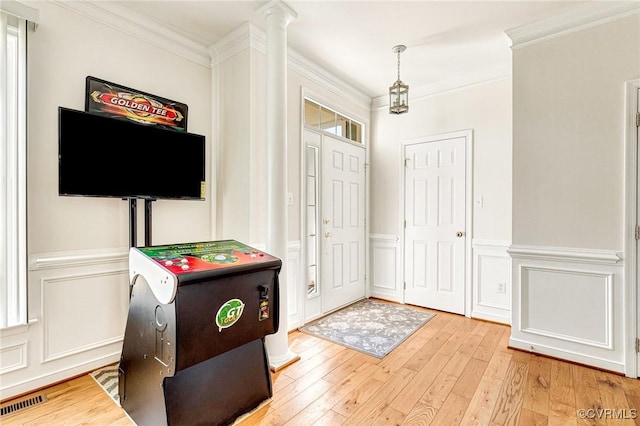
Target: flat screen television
{"x":100,"y":156}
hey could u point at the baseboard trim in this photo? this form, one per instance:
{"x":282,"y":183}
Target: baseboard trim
{"x":505,"y":320}
{"x":46,"y":380}
{"x":590,"y":361}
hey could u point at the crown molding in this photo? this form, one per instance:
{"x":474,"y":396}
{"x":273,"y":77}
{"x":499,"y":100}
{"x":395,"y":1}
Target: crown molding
{"x":324,"y":78}
{"x":244,"y":37}
{"x":249,"y":36}
{"x":20,"y":10}
{"x":448,"y":85}
{"x":141,"y":27}
{"x":590,"y":14}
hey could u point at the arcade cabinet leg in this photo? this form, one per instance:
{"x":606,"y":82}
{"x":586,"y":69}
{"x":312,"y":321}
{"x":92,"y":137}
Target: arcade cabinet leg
{"x":147,"y":221}
{"x":142,"y":368}
{"x":133,"y":222}
{"x":217,"y":391}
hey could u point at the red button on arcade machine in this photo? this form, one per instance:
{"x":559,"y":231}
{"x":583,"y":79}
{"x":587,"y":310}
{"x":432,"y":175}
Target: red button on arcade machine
{"x":193,"y":350}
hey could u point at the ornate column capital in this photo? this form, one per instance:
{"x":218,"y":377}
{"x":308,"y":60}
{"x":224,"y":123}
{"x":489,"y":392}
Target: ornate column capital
{"x":279,"y":10}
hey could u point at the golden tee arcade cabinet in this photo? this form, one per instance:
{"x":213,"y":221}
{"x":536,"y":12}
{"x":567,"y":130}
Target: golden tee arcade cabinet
{"x":193,"y":350}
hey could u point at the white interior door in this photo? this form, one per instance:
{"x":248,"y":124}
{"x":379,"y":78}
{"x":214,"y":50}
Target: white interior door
{"x":435,"y":234}
{"x":342,"y":227}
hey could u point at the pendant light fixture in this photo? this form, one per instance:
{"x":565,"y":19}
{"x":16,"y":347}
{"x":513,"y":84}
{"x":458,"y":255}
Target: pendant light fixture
{"x":399,"y":92}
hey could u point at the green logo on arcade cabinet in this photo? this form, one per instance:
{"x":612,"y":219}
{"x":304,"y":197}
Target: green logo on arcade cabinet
{"x":229,"y":313}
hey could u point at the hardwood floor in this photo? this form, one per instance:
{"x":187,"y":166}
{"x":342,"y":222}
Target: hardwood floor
{"x":454,"y":370}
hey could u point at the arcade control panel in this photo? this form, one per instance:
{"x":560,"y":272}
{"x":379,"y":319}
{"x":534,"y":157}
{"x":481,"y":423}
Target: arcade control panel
{"x":167,"y":267}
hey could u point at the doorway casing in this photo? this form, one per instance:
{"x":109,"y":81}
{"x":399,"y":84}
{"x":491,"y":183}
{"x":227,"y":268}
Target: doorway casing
{"x":632,"y":219}
{"x":468,"y":262}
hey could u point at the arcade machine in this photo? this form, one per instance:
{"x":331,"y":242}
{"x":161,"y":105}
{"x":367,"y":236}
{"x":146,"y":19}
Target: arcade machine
{"x":193,"y":351}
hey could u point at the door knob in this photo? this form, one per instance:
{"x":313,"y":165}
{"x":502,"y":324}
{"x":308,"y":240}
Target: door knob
{"x":459,"y":234}
{"x":325,"y":221}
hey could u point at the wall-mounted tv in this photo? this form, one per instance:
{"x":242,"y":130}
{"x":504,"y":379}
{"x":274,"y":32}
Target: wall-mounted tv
{"x":100,"y":156}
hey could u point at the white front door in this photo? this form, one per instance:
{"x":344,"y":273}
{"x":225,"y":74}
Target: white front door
{"x":435,"y":234}
{"x":342,"y":226}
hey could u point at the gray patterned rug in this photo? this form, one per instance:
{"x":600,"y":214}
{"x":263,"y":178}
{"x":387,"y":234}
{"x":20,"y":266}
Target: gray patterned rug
{"x":375,"y":328}
{"x":107,"y":378}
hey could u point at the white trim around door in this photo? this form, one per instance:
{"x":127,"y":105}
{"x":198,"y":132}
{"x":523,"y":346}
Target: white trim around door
{"x":632,"y":297}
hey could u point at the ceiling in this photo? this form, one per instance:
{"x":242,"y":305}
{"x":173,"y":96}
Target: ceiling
{"x":446,"y":40}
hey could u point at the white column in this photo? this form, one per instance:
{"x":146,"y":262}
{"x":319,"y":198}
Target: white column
{"x":278,"y":15}
{"x":3,"y":171}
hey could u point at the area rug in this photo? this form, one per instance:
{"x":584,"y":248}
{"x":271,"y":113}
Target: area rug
{"x":107,"y":378}
{"x":375,"y":328}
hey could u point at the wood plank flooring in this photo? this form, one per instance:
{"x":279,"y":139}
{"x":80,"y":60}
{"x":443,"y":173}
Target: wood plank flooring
{"x":454,"y":370}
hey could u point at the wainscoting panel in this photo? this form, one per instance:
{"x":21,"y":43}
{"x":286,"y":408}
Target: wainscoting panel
{"x":491,"y":298}
{"x":78,"y":303}
{"x":295,"y":286}
{"x":83,"y":312}
{"x":569,"y":306}
{"x":386,"y":269}
{"x":13,"y":357}
{"x":574,"y":294}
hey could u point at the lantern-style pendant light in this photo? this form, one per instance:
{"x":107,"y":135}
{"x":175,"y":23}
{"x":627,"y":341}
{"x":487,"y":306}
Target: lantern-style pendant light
{"x":399,"y":92}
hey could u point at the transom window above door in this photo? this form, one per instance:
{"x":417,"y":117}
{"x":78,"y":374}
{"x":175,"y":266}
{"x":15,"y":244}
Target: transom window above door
{"x":330,"y":121}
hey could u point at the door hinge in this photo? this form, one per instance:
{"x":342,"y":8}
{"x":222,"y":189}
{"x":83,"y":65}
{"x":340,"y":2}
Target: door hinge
{"x":405,"y":223}
{"x":405,"y":286}
{"x":637,"y":232}
{"x":405,"y":162}
{"x":637,"y":125}
{"x":637,"y":345}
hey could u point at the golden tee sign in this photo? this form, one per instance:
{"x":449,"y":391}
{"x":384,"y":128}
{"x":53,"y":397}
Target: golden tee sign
{"x":108,"y":98}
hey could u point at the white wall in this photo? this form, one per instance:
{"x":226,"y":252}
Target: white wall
{"x":234,"y":155}
{"x":568,"y":136}
{"x":486,"y":109}
{"x":77,"y":247}
{"x":568,"y":192}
